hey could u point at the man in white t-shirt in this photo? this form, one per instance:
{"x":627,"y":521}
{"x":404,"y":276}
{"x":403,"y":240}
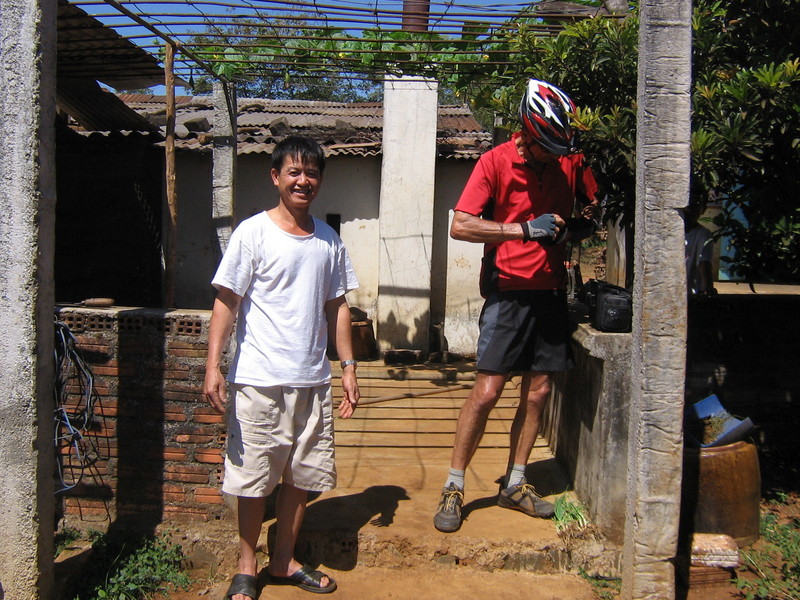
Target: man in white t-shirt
{"x":283,"y":280}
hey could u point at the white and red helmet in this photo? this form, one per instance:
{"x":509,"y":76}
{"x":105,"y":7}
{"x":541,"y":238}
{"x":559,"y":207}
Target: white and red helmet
{"x":544,"y":115}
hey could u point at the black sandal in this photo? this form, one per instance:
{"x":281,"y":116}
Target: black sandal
{"x":243,"y":584}
{"x":308,"y":579}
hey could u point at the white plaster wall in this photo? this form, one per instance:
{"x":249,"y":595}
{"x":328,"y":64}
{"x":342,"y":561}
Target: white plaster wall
{"x":464,"y":301}
{"x":455,"y":300}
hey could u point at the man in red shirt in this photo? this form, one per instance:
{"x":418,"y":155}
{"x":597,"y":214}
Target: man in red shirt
{"x":516,"y":202}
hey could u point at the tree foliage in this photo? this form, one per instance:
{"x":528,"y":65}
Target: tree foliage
{"x":745,"y":117}
{"x":746,"y":135}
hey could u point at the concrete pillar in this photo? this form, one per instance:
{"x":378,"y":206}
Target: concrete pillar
{"x":655,"y":447}
{"x":224,"y":158}
{"x":410,"y":108}
{"x":27,"y":231}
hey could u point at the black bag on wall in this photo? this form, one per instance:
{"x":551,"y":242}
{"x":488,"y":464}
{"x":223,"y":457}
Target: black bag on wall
{"x":610,"y":306}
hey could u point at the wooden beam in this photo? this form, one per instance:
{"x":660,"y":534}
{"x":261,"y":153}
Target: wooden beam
{"x":170,"y":261}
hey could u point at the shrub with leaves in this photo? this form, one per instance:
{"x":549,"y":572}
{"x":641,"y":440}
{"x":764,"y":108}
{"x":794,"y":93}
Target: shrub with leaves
{"x":774,"y":564}
{"x":132,"y":571}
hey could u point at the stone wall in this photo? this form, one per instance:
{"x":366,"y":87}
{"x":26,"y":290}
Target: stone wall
{"x":154,"y":448}
{"x":586,"y":424}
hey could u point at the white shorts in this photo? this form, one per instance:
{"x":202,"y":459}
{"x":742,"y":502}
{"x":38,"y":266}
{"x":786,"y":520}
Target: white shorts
{"x":279,"y":433}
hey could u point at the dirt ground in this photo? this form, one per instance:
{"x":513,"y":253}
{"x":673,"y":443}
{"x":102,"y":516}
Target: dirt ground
{"x":435,"y":583}
{"x":440,"y":581}
{"x":592,"y":259}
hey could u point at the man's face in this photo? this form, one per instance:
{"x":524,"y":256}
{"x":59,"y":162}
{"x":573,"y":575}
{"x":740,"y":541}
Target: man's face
{"x":530,"y":151}
{"x":298,"y":183}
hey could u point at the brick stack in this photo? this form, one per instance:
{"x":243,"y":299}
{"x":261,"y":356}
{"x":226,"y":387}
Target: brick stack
{"x":154,"y":448}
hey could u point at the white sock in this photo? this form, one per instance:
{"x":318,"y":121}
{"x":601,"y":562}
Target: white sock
{"x":515,"y":475}
{"x":455,"y":476}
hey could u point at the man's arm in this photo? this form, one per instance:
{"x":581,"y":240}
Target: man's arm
{"x":337,"y":312}
{"x":469,"y":228}
{"x":226,"y":305}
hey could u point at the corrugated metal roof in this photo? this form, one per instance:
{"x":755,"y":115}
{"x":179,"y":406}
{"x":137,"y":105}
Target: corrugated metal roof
{"x":342,"y":128}
{"x":87,"y":49}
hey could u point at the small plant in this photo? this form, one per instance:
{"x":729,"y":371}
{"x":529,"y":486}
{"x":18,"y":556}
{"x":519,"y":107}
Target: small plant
{"x":125,"y":571}
{"x":569,"y":514}
{"x":571,"y":522}
{"x":772,"y":568}
{"x":64,"y":538}
{"x":606,"y":588}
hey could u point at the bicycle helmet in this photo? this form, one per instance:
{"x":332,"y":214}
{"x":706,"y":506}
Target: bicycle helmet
{"x":544,"y":115}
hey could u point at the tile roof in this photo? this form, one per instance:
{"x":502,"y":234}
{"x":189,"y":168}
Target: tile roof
{"x":342,"y":128}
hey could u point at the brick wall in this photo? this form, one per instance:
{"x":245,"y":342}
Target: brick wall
{"x":153,"y":449}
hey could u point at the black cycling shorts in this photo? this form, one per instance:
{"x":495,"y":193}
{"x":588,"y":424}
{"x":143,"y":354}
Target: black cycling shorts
{"x":525,"y":331}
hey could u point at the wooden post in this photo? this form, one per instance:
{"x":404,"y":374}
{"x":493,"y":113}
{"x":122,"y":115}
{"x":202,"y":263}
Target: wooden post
{"x":170,"y":261}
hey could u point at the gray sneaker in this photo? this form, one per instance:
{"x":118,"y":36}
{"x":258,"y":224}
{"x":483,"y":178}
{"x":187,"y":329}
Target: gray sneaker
{"x":523,"y":497}
{"x":448,"y":516}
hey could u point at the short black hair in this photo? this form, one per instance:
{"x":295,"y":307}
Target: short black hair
{"x":296,"y":146}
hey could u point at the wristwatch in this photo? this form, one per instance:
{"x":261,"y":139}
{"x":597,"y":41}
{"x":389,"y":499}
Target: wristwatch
{"x":348,"y":362}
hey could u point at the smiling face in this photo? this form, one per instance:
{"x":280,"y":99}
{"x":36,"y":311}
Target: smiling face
{"x":298,"y":182}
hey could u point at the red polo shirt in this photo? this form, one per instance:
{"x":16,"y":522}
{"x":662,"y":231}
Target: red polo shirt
{"x":503,"y":188}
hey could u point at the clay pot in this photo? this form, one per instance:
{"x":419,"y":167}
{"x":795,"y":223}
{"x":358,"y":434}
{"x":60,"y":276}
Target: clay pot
{"x":722,"y":491}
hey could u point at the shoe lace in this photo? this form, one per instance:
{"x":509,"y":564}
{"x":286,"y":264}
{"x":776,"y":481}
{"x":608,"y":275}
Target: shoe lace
{"x":450,"y":498}
{"x":528,"y":490}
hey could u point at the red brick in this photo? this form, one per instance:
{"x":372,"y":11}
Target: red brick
{"x":185,"y":468}
{"x":183,"y":386}
{"x":178,"y":454}
{"x":195,"y":396}
{"x":176,"y":375}
{"x":215,"y":418}
{"x":187,"y":477}
{"x":111,"y":371}
{"x":175,"y":344}
{"x":188,"y":438}
{"x":203,"y":455}
{"x":87,"y":511}
{"x":173,"y":364}
{"x":208,"y":495}
{"x":171,"y":512}
{"x":175,"y":496}
{"x":189,"y":353}
{"x":107,"y":407}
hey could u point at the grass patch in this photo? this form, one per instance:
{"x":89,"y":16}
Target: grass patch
{"x":125,"y":570}
{"x":569,"y":514}
{"x":64,"y":538}
{"x":771,"y":568}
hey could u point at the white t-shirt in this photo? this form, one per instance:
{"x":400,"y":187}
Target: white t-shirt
{"x":285,"y":281}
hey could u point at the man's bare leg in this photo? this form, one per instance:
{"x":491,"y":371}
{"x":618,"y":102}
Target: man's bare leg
{"x":251,"y":516}
{"x":534,"y":394}
{"x":290,"y":509}
{"x":474,"y":413}
{"x":469,"y":431}
{"x":517,"y":493}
